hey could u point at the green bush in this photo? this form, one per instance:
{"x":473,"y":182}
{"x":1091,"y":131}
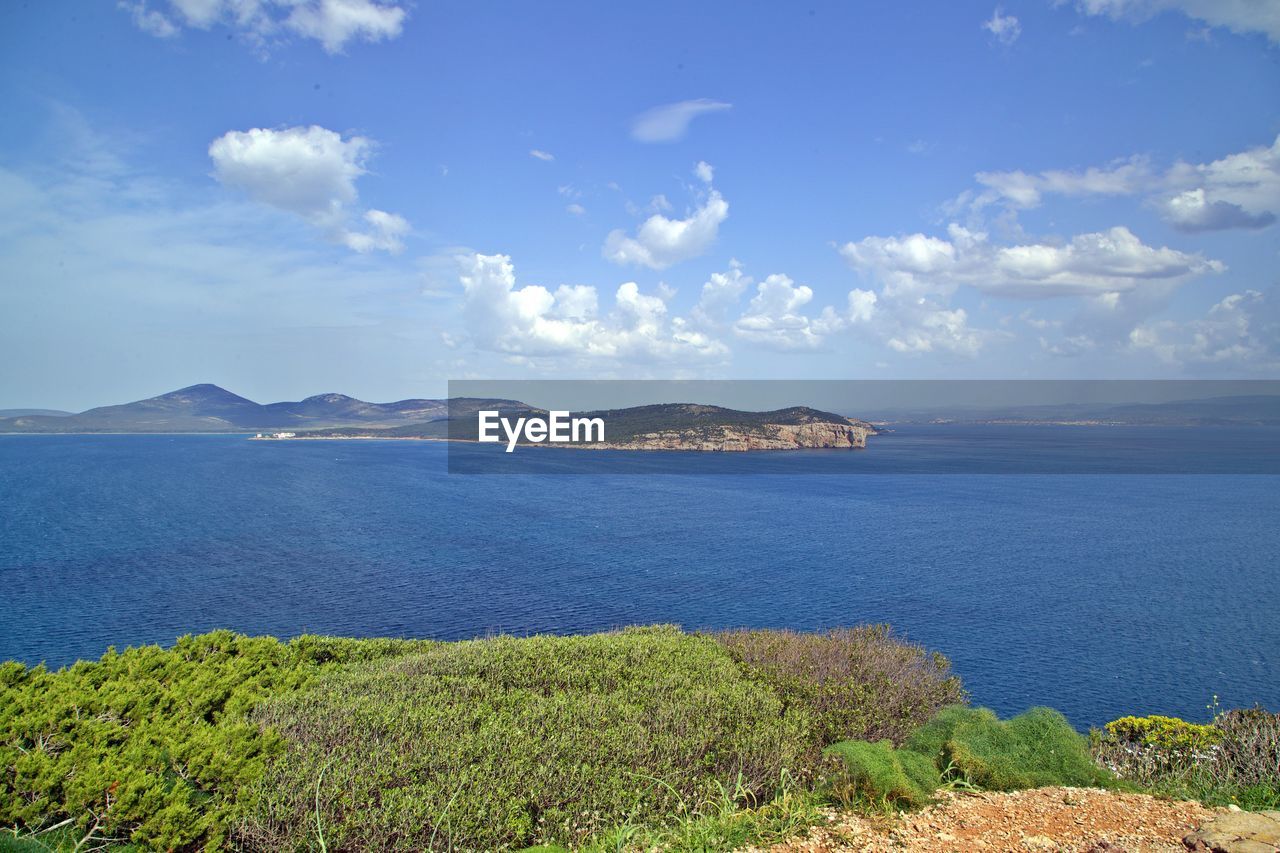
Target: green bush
{"x":151,"y":744}
{"x":856,"y":683}
{"x":510,"y":742}
{"x":1038,"y":747}
{"x":876,"y":773}
{"x":966,"y":745}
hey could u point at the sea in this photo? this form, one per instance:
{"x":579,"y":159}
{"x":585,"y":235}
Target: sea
{"x":1100,"y":590}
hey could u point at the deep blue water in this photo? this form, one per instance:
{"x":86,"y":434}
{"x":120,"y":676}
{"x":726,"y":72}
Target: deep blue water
{"x":1097,"y":594}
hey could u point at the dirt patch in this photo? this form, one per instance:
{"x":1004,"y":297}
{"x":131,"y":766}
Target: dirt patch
{"x":1043,"y":819}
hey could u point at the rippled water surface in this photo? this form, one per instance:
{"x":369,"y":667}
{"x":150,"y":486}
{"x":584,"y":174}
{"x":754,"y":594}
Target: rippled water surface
{"x":1096,"y":594}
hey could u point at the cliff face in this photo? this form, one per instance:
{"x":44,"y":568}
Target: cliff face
{"x":759,"y":437}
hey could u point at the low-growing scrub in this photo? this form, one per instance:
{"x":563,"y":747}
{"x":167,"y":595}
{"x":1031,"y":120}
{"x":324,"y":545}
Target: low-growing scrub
{"x":1235,"y":759}
{"x":856,"y":683}
{"x":970,"y":747}
{"x":510,"y":742}
{"x":152,"y":745}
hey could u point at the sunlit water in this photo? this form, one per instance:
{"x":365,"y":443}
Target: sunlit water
{"x":1096,"y":594}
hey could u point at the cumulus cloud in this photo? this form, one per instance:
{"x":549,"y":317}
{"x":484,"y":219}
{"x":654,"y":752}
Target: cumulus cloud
{"x":720,"y":296}
{"x":1005,"y":28}
{"x":1239,"y":16}
{"x":310,"y":172}
{"x":926,"y":327}
{"x":576,"y":209}
{"x":533,"y":321}
{"x":670,"y":122}
{"x":1193,"y":211}
{"x":544,"y":156}
{"x":332,"y":23}
{"x":1240,"y":190}
{"x":704,"y":171}
{"x":1242,"y":329}
{"x":661,"y":241}
{"x":774,"y":316}
{"x":1111,"y":261}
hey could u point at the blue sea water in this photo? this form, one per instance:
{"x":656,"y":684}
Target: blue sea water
{"x":1098,"y":594}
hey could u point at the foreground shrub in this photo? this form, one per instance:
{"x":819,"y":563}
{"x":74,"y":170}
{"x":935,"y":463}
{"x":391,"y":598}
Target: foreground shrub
{"x":965,"y":745}
{"x":1234,"y":759}
{"x":856,"y":683}
{"x":511,"y":742}
{"x":876,"y":774}
{"x":1035,"y":748}
{"x":151,"y":744}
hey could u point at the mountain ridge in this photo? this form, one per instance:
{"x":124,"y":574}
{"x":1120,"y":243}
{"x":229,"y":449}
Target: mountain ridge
{"x":205,"y":407}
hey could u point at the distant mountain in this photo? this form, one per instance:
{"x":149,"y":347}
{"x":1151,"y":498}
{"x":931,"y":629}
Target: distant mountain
{"x":341,"y":408}
{"x":209,"y":408}
{"x":20,"y":413}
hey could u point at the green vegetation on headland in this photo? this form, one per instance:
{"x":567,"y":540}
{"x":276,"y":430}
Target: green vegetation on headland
{"x":648,"y":738}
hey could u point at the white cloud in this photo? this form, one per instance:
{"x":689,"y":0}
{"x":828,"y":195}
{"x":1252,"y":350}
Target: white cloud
{"x":670,"y":122}
{"x":335,"y":22}
{"x":918,"y":274}
{"x":911,"y":320}
{"x":774,"y":317}
{"x":531,"y":321}
{"x":1239,"y":16}
{"x":659,"y":203}
{"x":1005,"y":28}
{"x":1111,"y":261}
{"x":1243,"y":329}
{"x":1019,"y":189}
{"x":151,"y":21}
{"x":1239,"y":191}
{"x":704,"y":171}
{"x":660,"y":241}
{"x":576,"y":209}
{"x":385,"y":231}
{"x":1193,"y":211}
{"x":930,"y":328}
{"x":332,"y":23}
{"x":720,"y":295}
{"x":310,"y":172}
{"x":545,"y":156}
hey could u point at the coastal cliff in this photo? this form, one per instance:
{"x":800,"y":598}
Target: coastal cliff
{"x":737,"y":438}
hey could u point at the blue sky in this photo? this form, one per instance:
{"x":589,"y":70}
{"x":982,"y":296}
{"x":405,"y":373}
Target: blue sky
{"x":288,"y":197}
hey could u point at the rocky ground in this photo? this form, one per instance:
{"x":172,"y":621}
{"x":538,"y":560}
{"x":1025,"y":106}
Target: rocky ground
{"x":1044,"y":819}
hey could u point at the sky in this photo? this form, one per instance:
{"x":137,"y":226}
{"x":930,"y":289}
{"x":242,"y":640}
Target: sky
{"x":290,"y":197}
